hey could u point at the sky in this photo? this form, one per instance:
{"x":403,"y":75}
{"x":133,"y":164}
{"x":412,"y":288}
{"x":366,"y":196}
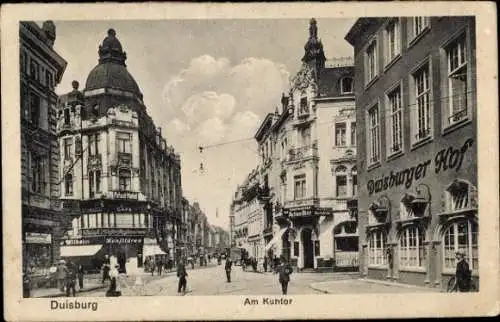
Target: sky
{"x":205,"y":82}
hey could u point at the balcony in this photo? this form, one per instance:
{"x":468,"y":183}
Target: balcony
{"x":94,"y":161}
{"x":124,"y":159}
{"x":308,"y":151}
{"x":301,"y":203}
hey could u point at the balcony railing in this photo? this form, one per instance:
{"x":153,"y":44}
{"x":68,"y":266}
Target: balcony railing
{"x":307,"y":151}
{"x":124,"y":159}
{"x":94,"y":160}
{"x":300,"y":202}
{"x":346,"y":259}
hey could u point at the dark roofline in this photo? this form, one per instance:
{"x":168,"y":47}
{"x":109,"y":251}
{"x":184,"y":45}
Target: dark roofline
{"x":258,"y":135}
{"x":359,"y":26}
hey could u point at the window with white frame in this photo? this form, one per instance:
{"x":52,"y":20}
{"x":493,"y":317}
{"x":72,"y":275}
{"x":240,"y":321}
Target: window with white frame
{"x":124,"y":180}
{"x":459,"y":195}
{"x":412,"y":248}
{"x":68,"y":148}
{"x":371,"y":61}
{"x":346,"y":85}
{"x":392,"y":41}
{"x":94,"y":143}
{"x":341,"y":181}
{"x":374,"y":134}
{"x":419,"y":25}
{"x":456,"y":54}
{"x":377,"y":243}
{"x":395,"y":121}
{"x":68,"y":184}
{"x":299,"y":187}
{"x":421,"y":116}
{"x":123,"y":141}
{"x":340,"y":134}
{"x":461,"y":236}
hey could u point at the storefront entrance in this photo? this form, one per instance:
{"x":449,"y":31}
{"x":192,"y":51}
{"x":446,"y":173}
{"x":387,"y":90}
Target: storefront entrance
{"x":307,"y":246}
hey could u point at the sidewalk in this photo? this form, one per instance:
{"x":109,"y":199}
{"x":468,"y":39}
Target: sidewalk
{"x":361,"y":285}
{"x":55,"y":292}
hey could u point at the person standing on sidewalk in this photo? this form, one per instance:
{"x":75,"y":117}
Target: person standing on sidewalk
{"x":159,"y":265}
{"x":265,"y":264}
{"x":71,"y":280}
{"x":181,"y":274}
{"x":227,"y":267}
{"x":284,"y":271}
{"x":61,"y":275}
{"x":80,"y":276}
{"x":463,"y":273}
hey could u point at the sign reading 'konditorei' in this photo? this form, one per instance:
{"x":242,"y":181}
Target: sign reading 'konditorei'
{"x":445,"y":159}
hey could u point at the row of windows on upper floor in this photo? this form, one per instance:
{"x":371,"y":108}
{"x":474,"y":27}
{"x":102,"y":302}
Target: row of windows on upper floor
{"x":35,"y":70}
{"x":455,"y":103}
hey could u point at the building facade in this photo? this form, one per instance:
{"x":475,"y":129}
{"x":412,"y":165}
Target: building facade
{"x":41,"y":69}
{"x":309,"y":154}
{"x":416,"y":108}
{"x":121,"y":182}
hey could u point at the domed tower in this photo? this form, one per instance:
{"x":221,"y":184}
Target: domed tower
{"x":314,"y":55}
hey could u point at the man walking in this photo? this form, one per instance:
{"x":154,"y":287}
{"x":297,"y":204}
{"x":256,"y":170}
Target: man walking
{"x":227,"y":267}
{"x":284,"y":274}
{"x":71,"y":280}
{"x":463,"y":273}
{"x":159,"y":266}
{"x":265,"y":264}
{"x":181,"y":274}
{"x":61,"y":275}
{"x":80,"y":277}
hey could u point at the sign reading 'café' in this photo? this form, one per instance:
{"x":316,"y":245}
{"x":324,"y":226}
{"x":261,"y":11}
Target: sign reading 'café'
{"x":446,"y":159}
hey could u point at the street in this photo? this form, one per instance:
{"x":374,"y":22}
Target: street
{"x":212,"y":281}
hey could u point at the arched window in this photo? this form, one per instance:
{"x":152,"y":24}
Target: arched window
{"x":346,"y":85}
{"x":377,"y":242}
{"x":341,"y":181}
{"x":460,"y":236}
{"x":411,"y":247}
{"x":68,"y":184}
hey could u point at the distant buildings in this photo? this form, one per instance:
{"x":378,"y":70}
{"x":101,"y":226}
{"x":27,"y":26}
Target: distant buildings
{"x":416,"y":115}
{"x":121,"y":182}
{"x":41,"y":69}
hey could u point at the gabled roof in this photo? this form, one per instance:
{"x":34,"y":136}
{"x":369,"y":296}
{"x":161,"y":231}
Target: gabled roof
{"x":265,"y":125}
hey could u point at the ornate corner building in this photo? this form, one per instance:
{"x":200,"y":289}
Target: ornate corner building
{"x":120,"y":181}
{"x":307,"y":173}
{"x":41,"y":69}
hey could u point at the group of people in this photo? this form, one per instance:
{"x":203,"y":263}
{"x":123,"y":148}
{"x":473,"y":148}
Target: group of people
{"x":157,"y":266}
{"x":67,"y":275}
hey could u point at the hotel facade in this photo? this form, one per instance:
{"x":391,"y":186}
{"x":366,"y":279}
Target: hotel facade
{"x":121,"y":182}
{"x":416,"y":106}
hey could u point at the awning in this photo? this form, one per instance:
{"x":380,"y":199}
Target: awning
{"x":80,"y":250}
{"x":151,"y":250}
{"x":275,"y":239}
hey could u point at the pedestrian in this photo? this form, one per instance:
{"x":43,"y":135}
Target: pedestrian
{"x":209,"y":258}
{"x":61,"y":275}
{"x":227,"y":267}
{"x":181,"y":274}
{"x":159,"y":265}
{"x":463,"y":273}
{"x":105,"y":272}
{"x":265,"y":264}
{"x":80,"y":277}
{"x":71,"y":280}
{"x":113,"y":286}
{"x":284,"y":275}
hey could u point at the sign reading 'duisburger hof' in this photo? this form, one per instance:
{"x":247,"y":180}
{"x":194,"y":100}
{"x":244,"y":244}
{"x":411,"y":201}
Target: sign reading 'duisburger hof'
{"x":445,"y":159}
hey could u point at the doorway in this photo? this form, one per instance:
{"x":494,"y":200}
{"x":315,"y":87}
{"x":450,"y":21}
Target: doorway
{"x":307,"y":246}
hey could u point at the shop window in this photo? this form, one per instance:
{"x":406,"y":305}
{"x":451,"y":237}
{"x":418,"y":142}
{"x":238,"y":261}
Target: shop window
{"x":373,"y":135}
{"x":300,"y":187}
{"x":341,"y":181}
{"x":461,"y":236}
{"x":456,"y":90}
{"x":124,"y":180}
{"x":395,"y":120}
{"x":124,"y":220}
{"x":68,"y":184}
{"x":377,"y":243}
{"x":412,"y":248}
{"x":340,"y":134}
{"x":346,"y":85}
{"x":421,"y":115}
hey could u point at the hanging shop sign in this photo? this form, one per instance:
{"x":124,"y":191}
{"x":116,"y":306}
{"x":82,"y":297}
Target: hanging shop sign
{"x":446,"y":159}
{"x":37,"y":238}
{"x":124,"y":195}
{"x":82,"y":241}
